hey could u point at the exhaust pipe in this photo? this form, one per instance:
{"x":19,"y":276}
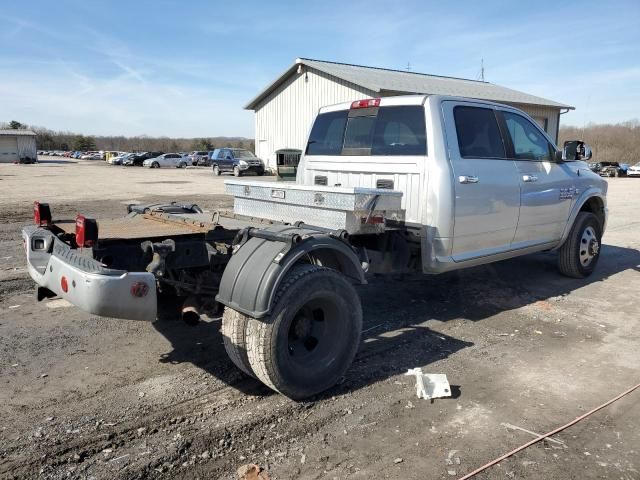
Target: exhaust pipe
{"x":191,"y":311}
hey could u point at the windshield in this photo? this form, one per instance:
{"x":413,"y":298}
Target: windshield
{"x":243,"y":154}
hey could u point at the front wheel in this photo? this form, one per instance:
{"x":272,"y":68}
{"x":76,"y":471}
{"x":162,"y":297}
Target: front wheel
{"x":236,"y":171}
{"x":311,"y":336}
{"x":216,"y":170}
{"x":580,"y":252}
{"x":155,"y":165}
{"x":182,"y":165}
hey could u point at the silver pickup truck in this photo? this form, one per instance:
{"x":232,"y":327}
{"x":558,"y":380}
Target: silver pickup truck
{"x":424,"y":184}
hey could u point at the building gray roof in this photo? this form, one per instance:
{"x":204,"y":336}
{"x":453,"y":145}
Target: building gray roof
{"x":385,"y":81}
{"x":16,"y":132}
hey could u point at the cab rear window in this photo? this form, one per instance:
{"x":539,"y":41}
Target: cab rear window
{"x":398,"y":130}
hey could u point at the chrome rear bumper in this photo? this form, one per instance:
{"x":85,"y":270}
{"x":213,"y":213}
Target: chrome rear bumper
{"x":89,"y":285}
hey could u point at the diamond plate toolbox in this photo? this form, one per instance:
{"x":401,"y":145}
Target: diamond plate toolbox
{"x":354,"y":209}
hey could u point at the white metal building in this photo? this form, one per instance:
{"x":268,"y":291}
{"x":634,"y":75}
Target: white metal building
{"x":16,"y":145}
{"x":285,"y":109}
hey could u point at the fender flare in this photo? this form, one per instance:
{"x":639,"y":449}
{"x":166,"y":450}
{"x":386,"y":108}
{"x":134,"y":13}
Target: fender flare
{"x":577,"y":207}
{"x":254,"y":273}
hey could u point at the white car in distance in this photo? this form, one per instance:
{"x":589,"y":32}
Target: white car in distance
{"x":634,"y":171}
{"x":174,"y":160}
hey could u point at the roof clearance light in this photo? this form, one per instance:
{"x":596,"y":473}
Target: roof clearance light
{"x":366,"y":103}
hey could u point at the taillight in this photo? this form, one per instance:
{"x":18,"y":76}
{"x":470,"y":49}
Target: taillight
{"x":64,"y":285}
{"x":139,"y":289}
{"x":41,"y":214}
{"x":86,"y":231}
{"x":366,"y":103}
{"x":372,"y":220}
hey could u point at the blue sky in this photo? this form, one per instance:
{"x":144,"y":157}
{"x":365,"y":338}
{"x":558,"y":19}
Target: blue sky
{"x":187,"y":68}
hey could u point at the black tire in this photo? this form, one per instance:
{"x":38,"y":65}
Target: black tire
{"x":155,"y":165}
{"x":234,"y":325}
{"x":236,"y":171}
{"x":579,"y":254}
{"x":311,"y":336}
{"x":216,"y":170}
{"x":260,"y":174}
{"x":182,"y":165}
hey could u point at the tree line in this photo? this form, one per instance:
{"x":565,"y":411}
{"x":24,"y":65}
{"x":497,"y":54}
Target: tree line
{"x":618,"y":142}
{"x":47,"y":139}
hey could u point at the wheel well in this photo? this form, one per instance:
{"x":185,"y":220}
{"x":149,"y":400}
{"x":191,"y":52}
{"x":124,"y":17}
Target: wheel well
{"x":594,"y":205}
{"x":335,"y":260}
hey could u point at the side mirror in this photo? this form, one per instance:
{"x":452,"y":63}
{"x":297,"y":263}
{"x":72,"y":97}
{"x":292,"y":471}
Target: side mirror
{"x":576,"y":150}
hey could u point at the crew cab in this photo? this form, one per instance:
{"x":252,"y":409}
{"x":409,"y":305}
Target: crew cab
{"x":422,"y":184}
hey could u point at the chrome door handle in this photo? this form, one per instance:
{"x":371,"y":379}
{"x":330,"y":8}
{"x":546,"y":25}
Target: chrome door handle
{"x":468,"y":179}
{"x":529,"y":178}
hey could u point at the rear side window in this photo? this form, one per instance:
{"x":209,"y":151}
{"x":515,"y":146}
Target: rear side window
{"x":396,"y":130}
{"x":478,"y":133}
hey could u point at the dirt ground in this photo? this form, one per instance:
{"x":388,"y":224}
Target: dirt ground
{"x":90,"y":397}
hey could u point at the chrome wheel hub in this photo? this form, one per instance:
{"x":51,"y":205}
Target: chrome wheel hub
{"x":589,"y":246}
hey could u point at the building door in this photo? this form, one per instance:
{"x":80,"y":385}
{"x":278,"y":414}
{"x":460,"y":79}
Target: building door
{"x":487,"y":190}
{"x":8,"y":149}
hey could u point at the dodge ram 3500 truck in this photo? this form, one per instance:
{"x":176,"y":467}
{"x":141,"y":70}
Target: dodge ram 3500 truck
{"x":422,"y":183}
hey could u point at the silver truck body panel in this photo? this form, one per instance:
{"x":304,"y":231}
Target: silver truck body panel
{"x":91,"y":287}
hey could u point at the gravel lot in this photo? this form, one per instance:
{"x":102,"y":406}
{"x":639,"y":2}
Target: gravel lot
{"x":92,"y":397}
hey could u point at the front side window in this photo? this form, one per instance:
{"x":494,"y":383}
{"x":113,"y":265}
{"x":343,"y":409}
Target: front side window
{"x":478,"y":133}
{"x":528,"y":141}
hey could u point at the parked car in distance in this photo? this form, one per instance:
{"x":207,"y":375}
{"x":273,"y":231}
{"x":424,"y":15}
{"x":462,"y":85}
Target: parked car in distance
{"x":634,"y":170}
{"x":165,"y":160}
{"x":136,"y":159}
{"x":92,"y":156}
{"x":235,"y":160}
{"x":117,"y":159}
{"x":199,"y":158}
{"x":612,"y":169}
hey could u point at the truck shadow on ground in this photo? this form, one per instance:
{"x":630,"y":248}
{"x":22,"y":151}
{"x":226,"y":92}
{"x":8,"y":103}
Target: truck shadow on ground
{"x":395,"y":310}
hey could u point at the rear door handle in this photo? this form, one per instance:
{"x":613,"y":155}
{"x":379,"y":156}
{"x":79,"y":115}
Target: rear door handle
{"x":529,"y":178}
{"x":468,"y":179}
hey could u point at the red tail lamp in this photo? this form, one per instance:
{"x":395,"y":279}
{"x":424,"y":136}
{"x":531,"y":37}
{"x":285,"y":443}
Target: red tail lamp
{"x":64,"y":284}
{"x":41,"y":214}
{"x":366,"y":103}
{"x":139,"y":289}
{"x":86,"y":231}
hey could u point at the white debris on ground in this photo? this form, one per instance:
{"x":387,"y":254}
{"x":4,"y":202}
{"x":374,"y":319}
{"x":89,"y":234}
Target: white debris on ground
{"x":430,"y":385}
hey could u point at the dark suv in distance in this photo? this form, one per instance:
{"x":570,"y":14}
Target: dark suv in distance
{"x":137,"y":159}
{"x":235,"y":160}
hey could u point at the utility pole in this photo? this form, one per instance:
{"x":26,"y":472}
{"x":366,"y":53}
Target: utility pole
{"x":482,"y":69}
{"x":408,"y":66}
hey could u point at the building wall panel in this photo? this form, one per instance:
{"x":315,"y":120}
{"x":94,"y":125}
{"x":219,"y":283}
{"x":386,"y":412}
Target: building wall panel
{"x":284,"y":118}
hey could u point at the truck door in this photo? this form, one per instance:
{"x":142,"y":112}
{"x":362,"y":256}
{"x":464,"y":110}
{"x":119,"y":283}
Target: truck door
{"x":486,"y":185}
{"x":547,"y":187}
